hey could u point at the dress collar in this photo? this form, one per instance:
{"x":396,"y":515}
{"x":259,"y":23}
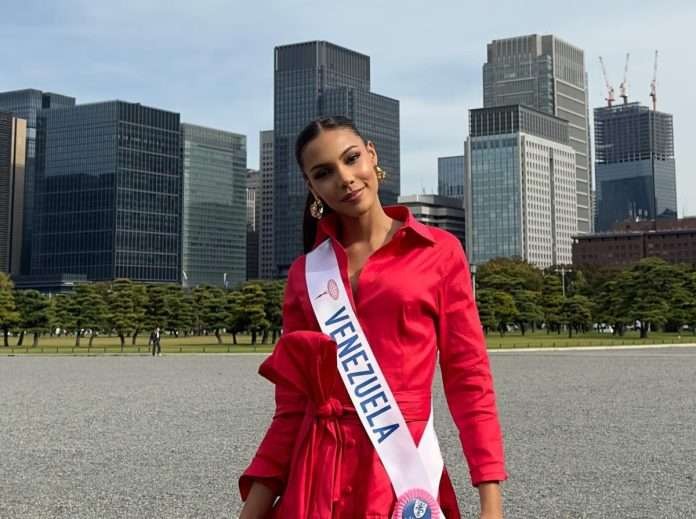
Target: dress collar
{"x":327,"y":225}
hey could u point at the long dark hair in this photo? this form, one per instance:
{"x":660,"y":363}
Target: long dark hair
{"x":307,"y":135}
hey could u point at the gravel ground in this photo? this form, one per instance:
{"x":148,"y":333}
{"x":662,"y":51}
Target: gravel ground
{"x":600,"y":434}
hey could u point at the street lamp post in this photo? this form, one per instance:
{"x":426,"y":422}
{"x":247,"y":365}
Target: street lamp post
{"x":563,"y":271}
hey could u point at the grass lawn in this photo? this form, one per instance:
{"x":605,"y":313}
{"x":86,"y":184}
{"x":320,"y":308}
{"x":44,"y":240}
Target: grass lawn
{"x":554,"y":340}
{"x":112,"y":345}
{"x":208,"y":344}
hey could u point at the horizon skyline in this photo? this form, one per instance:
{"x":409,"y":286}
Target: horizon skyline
{"x":136,"y":53}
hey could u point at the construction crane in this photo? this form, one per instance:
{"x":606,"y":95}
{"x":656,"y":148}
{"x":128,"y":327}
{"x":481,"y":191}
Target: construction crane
{"x":653,"y":85}
{"x":623,"y":87}
{"x":610,"y":89}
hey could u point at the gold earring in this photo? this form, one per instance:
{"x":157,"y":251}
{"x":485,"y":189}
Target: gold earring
{"x":381,"y":174}
{"x":316,"y":209}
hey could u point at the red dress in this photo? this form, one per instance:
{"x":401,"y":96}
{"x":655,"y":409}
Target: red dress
{"x":414,"y":300}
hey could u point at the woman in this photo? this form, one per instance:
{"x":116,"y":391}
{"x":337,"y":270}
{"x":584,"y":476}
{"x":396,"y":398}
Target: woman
{"x":410,"y":288}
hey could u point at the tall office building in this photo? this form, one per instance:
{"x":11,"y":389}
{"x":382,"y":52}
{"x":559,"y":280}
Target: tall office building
{"x":521,"y":201}
{"x":319,"y":79}
{"x":108,"y":192}
{"x":214,"y":208}
{"x":13,"y":155}
{"x":451,"y":177}
{"x":635,"y":168}
{"x":266,"y":202}
{"x":253,"y":206}
{"x":25,"y":104}
{"x":548,"y":74}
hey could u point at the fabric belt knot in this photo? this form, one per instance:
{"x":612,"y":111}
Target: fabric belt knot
{"x":332,"y":408}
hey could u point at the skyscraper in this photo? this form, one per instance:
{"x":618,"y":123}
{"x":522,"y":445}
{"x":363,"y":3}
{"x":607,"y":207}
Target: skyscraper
{"x":521,"y":175}
{"x":319,"y":79}
{"x":548,"y":74}
{"x":13,"y":142}
{"x":267,"y":268}
{"x":108,"y":192}
{"x":635,"y":168}
{"x":25,"y":104}
{"x":451,"y":177}
{"x":214,"y":208}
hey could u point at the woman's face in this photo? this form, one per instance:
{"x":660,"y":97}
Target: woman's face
{"x":340,"y":170}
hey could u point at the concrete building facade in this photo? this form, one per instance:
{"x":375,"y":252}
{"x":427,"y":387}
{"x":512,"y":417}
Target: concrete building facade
{"x":521,"y":196}
{"x":548,"y":74}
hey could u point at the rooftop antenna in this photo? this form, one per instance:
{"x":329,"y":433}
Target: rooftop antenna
{"x":653,"y":85}
{"x":623,"y":87}
{"x":610,"y":89}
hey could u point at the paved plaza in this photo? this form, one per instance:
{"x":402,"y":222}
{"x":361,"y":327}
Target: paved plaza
{"x":589,"y":434}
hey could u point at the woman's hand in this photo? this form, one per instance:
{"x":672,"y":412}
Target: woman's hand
{"x":491,"y":500}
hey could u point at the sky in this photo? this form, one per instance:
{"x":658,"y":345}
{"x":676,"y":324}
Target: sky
{"x":212,"y":60}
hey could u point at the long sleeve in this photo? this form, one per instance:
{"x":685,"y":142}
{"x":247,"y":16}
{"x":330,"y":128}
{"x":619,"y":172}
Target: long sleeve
{"x":466,"y":373}
{"x":271,"y":463}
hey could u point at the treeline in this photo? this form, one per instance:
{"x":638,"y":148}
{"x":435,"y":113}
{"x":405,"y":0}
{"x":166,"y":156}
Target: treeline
{"x":128,"y":309}
{"x":511,"y":295}
{"x":651,"y":295}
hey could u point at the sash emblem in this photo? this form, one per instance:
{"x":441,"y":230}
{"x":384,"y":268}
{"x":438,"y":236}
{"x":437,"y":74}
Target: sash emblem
{"x":416,"y":504}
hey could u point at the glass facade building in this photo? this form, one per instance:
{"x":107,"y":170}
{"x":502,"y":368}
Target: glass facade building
{"x":310,"y":80}
{"x":214,"y":214}
{"x":26,"y":104}
{"x":108,"y":192}
{"x":548,"y":74}
{"x":451,"y":177}
{"x":267,"y":268}
{"x":635,"y":167}
{"x":521,"y":197}
{"x":13,"y":143}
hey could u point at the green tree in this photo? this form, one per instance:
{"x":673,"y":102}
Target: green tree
{"x":486,"y":308}
{"x":576,"y":313}
{"x":252,"y":314}
{"x":179,"y":305}
{"x":123,"y":314}
{"x":33,"y":307}
{"x":505,"y":310}
{"x":551,"y":301}
{"x":88,"y":311}
{"x":211,"y":304}
{"x":9,"y":316}
{"x":273,"y":308}
{"x":98,"y":319}
{"x":529,"y":311}
{"x":690,"y":310}
{"x":235,"y":322}
{"x":157,"y":312}
{"x":648,"y":287}
{"x":509,"y":275}
{"x":139,"y":309}
{"x":64,"y":313}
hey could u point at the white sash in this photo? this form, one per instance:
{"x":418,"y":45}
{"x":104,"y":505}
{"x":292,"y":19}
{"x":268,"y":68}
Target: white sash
{"x":408,"y":467}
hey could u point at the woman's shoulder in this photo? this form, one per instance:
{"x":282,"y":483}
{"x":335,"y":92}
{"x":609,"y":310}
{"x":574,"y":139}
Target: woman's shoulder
{"x":296,"y":272}
{"x":444,"y":240}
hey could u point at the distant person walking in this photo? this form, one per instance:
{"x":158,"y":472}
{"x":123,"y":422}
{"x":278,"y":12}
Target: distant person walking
{"x":155,"y":341}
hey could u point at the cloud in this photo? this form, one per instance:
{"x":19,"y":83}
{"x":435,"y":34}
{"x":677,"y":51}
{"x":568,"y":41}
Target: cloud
{"x":442,"y":135}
